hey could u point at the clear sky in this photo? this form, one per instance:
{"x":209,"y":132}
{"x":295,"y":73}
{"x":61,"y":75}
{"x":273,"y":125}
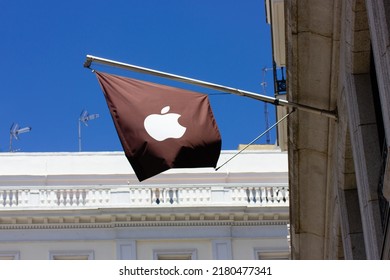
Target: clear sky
{"x":44,"y":44}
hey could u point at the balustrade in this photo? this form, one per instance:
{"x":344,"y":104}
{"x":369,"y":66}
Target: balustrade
{"x":143,"y":196}
{"x":264,"y":195}
{"x":9,"y":198}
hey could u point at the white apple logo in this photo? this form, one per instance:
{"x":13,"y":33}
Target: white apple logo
{"x":164,"y":126}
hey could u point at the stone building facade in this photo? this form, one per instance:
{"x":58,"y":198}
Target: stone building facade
{"x":337,"y":58}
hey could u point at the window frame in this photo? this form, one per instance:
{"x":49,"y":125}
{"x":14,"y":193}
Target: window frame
{"x":71,"y":255}
{"x":180,"y":254}
{"x":9,"y":255}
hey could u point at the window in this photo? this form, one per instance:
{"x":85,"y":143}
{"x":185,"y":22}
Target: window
{"x":71,"y":255}
{"x":174,"y":257}
{"x":271,"y":255}
{"x":9,"y":255}
{"x":190,"y":254}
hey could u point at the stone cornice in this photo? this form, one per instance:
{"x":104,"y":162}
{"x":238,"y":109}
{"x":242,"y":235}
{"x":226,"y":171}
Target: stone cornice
{"x":104,"y":219}
{"x":143,"y":224}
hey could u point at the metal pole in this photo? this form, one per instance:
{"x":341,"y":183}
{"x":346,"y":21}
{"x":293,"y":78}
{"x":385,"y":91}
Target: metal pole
{"x":10,"y":142}
{"x":90,"y":59}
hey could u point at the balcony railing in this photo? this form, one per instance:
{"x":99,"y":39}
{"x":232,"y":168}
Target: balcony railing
{"x":142,"y":196}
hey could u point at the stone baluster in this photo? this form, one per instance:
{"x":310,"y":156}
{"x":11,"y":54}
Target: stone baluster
{"x":107,"y":196}
{"x":263,"y":195}
{"x":163,"y":196}
{"x":271,"y":194}
{"x":102,"y":194}
{"x":7,"y":198}
{"x":81,"y":198}
{"x":99,"y":196}
{"x":167,"y":192}
{"x":62,"y":198}
{"x":147,"y":196}
{"x":198,"y":196}
{"x":139,"y":196}
{"x":49,"y":197}
{"x":242,"y":195}
{"x":42,"y":197}
{"x":257,"y":195}
{"x":88,"y":196}
{"x":132,"y":200}
{"x":171,"y":196}
{"x":67,"y":194}
{"x":234,"y":192}
{"x":286,"y":194}
{"x":278,"y":194}
{"x":142,"y":196}
{"x":75,"y":195}
{"x":155,"y":196}
{"x":57,"y":195}
{"x":20,"y":198}
{"x":187,"y":196}
{"x":206,"y":195}
{"x":2,"y":202}
{"x":184,"y":196}
{"x":14,"y":198}
{"x":253,"y":195}
{"x":134,"y":196}
{"x":92,"y":197}
{"x":177,"y":195}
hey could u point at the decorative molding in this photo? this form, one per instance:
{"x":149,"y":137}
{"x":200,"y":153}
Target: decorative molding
{"x":145,"y":224}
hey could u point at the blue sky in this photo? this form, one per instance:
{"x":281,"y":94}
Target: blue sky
{"x":44,"y":84}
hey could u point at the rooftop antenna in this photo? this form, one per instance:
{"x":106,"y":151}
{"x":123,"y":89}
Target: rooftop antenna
{"x":15,"y":130}
{"x":266,"y":113}
{"x":84,"y":118}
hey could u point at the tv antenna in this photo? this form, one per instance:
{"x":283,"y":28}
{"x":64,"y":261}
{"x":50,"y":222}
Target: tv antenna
{"x":15,"y":130}
{"x":84,"y":118}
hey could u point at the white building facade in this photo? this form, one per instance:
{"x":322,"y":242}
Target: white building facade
{"x":91,"y":206}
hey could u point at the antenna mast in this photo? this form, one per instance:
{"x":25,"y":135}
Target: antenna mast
{"x":84,"y":118}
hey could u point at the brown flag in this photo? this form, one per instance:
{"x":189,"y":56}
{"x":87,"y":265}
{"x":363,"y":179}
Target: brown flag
{"x":161,"y":127}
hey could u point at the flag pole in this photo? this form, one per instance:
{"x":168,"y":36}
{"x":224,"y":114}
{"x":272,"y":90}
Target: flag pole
{"x":276,"y":101}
